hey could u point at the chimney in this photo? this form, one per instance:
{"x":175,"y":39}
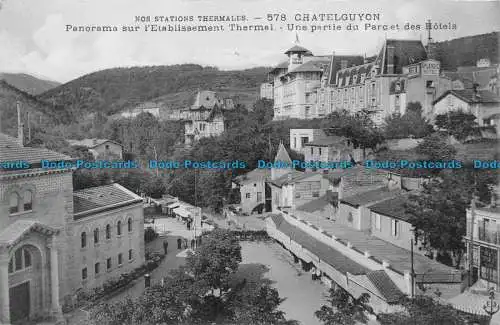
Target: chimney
{"x":390,"y":59}
{"x":20,"y":125}
{"x":474,"y":89}
{"x":343,"y":64}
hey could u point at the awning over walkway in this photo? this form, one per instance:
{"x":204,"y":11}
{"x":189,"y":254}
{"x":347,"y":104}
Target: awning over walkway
{"x":181,"y":212}
{"x":325,"y":253}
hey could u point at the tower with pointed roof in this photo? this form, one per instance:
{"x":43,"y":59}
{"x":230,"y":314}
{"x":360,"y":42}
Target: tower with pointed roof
{"x":296,"y":54}
{"x":284,"y":160}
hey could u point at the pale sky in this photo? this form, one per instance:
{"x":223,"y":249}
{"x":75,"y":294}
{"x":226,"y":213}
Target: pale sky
{"x":33,"y":37}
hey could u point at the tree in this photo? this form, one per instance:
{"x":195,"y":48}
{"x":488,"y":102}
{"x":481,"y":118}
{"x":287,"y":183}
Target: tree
{"x":459,"y":124}
{"x":215,"y":260}
{"x":422,"y":310}
{"x":434,"y":147}
{"x":438,"y":213}
{"x":344,"y":309}
{"x":412,"y":123}
{"x":263,"y":111}
{"x":204,"y":291}
{"x":258,"y":306}
{"x":358,"y":128}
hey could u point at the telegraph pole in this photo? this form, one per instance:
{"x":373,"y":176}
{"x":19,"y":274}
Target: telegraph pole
{"x":412,"y":272}
{"x":471,"y":242}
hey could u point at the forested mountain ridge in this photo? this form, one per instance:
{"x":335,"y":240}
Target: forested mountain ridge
{"x":113,"y":90}
{"x":466,"y":51}
{"x":28,"y":83}
{"x":41,"y":115}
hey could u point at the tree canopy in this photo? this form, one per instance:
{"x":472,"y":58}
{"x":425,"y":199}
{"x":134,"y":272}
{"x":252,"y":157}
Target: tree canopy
{"x":422,"y":310}
{"x":412,"y":123}
{"x":206,"y":290}
{"x":343,"y":309}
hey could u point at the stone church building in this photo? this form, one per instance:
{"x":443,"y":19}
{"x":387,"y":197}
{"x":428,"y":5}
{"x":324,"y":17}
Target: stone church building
{"x":55,"y":241}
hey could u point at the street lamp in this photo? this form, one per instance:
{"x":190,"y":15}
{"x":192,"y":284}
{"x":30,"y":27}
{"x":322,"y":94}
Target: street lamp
{"x":491,"y":307}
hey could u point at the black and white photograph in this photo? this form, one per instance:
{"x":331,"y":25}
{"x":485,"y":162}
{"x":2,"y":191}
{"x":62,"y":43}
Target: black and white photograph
{"x":249,"y":162}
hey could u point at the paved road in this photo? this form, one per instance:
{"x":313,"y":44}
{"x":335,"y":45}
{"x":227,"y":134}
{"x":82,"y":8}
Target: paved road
{"x":303,"y":295}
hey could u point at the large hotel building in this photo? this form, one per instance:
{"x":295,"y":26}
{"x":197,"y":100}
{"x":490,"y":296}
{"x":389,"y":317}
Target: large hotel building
{"x":307,"y":86}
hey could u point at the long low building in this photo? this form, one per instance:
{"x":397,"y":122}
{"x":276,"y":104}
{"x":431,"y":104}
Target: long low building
{"x":358,"y":262}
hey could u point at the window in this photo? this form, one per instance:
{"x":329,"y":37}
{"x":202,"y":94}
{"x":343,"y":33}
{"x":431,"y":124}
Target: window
{"x":312,"y":150}
{"x":27,"y":259}
{"x":96,"y":236}
{"x":106,"y":147}
{"x":304,"y":140}
{"x":429,"y":84}
{"x":394,"y":227}
{"x":377,"y":221}
{"x":97,"y":268}
{"x":259,"y":196}
{"x":20,"y":261}
{"x":294,"y":142}
{"x":130,"y":255}
{"x":84,"y":273}
{"x":248,"y":195}
{"x":108,"y":264}
{"x":120,"y":259}
{"x":319,"y":150}
{"x":28,"y":201}
{"x":108,"y":231}
{"x":297,"y":195}
{"x":14,"y":203}
{"x":315,"y":194}
{"x":83,"y":238}
{"x":129,"y":224}
{"x":119,"y":228}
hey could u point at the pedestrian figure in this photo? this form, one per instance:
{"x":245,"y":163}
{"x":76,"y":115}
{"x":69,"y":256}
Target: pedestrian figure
{"x":179,"y":243}
{"x":192,"y":243}
{"x":189,"y":225}
{"x":165,"y":246}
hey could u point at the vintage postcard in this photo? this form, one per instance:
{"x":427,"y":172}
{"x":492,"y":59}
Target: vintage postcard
{"x":253,"y":162}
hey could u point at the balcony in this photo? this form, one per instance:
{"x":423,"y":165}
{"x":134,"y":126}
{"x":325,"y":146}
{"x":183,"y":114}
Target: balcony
{"x":489,"y":236}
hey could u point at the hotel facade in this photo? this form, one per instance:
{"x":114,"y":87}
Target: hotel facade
{"x":307,"y":86}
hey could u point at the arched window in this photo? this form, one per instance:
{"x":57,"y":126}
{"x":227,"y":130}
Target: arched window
{"x":119,"y":228}
{"x":129,"y":222}
{"x":84,"y":239}
{"x":28,"y":201}
{"x":108,"y":232}
{"x":14,"y":203}
{"x":21,"y":260}
{"x":96,"y":236}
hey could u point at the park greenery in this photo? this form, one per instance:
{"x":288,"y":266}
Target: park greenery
{"x":344,"y":309}
{"x":208,"y":289}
